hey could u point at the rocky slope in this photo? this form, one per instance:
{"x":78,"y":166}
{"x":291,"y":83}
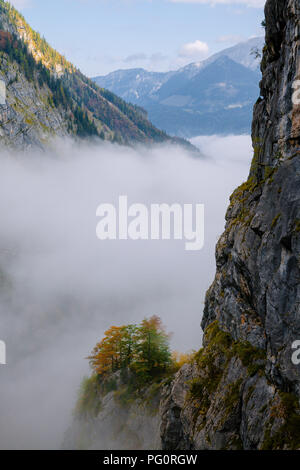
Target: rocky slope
{"x":47,"y":96}
{"x":244,"y":389}
{"x":27,"y":119}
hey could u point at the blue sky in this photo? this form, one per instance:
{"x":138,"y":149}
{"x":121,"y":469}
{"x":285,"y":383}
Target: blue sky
{"x":100,"y":36}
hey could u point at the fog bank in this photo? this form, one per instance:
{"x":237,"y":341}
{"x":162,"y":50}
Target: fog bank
{"x":61,"y":288}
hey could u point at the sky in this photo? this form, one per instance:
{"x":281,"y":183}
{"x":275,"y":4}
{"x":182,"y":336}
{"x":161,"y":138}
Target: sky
{"x":100,"y":36}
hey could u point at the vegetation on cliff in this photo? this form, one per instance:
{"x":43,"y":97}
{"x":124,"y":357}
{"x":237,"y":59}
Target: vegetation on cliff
{"x":133,"y":361}
{"x":143,"y":348}
{"x":40,"y":48}
{"x":59,"y":94}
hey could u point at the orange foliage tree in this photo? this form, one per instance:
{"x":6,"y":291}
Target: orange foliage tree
{"x":143,"y":348}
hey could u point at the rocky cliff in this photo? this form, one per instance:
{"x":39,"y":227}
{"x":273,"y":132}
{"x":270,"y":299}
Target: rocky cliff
{"x":27,"y":119}
{"x":243,"y":389}
{"x":109,"y":415}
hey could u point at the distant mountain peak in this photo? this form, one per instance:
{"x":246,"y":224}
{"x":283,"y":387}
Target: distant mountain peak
{"x":215,"y":95}
{"x":242,"y":53}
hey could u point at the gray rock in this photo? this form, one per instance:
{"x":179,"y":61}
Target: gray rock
{"x":27,"y":120}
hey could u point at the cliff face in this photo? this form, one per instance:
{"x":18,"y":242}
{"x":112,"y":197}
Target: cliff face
{"x":27,"y":119}
{"x":243,"y":387}
{"x":115,"y":419}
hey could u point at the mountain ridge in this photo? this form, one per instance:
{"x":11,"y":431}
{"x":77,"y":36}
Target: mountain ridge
{"x":48,"y":96}
{"x":166,"y":96}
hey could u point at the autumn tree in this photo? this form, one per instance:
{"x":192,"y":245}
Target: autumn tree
{"x":179,"y":359}
{"x":130,"y":338}
{"x":153,"y":353}
{"x":106,"y":356}
{"x":143,"y":348}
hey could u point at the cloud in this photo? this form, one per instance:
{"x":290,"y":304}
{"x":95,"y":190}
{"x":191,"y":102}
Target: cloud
{"x":157,"y":57}
{"x":61,"y":288}
{"x":194,"y":49}
{"x":248,"y":3}
{"x":136,"y":57}
{"x":139,"y":57}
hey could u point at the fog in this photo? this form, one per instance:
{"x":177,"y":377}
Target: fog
{"x":61,"y":288}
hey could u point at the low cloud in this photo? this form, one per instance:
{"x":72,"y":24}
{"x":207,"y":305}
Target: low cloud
{"x":189,"y":52}
{"x":61,"y":288}
{"x":196,"y":49}
{"x":148,"y":60}
{"x":136,"y":57}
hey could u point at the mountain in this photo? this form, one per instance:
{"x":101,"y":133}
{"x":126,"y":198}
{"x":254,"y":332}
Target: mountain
{"x":241,"y":391}
{"x":244,"y":53}
{"x":219,"y":99}
{"x":47,"y":96}
{"x":212,"y":96}
{"x":133,"y":84}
